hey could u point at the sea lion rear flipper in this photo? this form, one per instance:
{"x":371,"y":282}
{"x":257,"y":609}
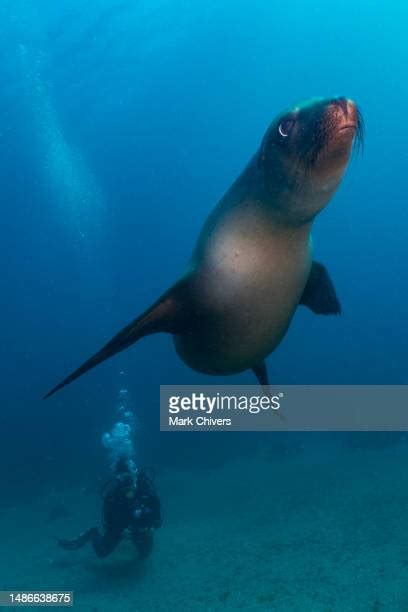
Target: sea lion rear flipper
{"x":319,"y":294}
{"x":166,"y":315}
{"x":261,"y":373}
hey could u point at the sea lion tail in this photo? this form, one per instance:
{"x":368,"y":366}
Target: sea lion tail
{"x":164,"y":316}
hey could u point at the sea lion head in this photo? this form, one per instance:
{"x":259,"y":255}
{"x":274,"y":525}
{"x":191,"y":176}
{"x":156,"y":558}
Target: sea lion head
{"x":304,"y":155}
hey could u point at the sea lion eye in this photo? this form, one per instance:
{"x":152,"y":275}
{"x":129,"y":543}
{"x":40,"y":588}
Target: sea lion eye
{"x":285,"y":127}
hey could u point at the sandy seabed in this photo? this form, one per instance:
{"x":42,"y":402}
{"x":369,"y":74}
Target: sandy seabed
{"x":318,"y":530}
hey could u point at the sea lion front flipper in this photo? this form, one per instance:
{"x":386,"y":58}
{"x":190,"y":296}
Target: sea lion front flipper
{"x":166,"y":315}
{"x":319,"y":294}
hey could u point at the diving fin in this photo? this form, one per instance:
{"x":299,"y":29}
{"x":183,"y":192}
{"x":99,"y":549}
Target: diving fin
{"x":78,"y":542}
{"x":164,"y":316}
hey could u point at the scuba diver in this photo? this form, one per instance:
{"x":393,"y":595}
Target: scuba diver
{"x":130,"y":504}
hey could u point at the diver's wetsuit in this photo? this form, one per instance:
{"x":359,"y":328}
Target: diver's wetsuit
{"x":125,"y":506}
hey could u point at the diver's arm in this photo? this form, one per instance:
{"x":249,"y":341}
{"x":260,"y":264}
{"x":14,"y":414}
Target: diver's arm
{"x":147,"y":512}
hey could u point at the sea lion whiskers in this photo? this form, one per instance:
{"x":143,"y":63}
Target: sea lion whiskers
{"x":360,"y":132}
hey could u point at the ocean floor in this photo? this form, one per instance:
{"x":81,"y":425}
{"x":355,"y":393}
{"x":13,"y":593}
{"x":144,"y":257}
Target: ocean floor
{"x":315,"y":530}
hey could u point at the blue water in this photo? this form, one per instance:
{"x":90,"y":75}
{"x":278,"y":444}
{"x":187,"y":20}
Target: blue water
{"x":122,"y":124}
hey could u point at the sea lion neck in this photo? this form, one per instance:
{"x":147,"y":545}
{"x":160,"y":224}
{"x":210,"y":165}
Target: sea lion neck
{"x":273,"y":199}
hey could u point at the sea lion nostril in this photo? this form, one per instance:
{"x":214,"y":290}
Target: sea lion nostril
{"x":342,"y":103}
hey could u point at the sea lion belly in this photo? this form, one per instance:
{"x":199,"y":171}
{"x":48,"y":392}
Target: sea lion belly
{"x":247,"y":285}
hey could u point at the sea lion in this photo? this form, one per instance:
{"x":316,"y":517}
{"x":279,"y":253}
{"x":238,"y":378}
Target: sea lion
{"x":252,"y":265}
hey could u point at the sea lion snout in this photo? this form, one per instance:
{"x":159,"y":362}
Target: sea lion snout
{"x":341,"y":126}
{"x":344,"y":114}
